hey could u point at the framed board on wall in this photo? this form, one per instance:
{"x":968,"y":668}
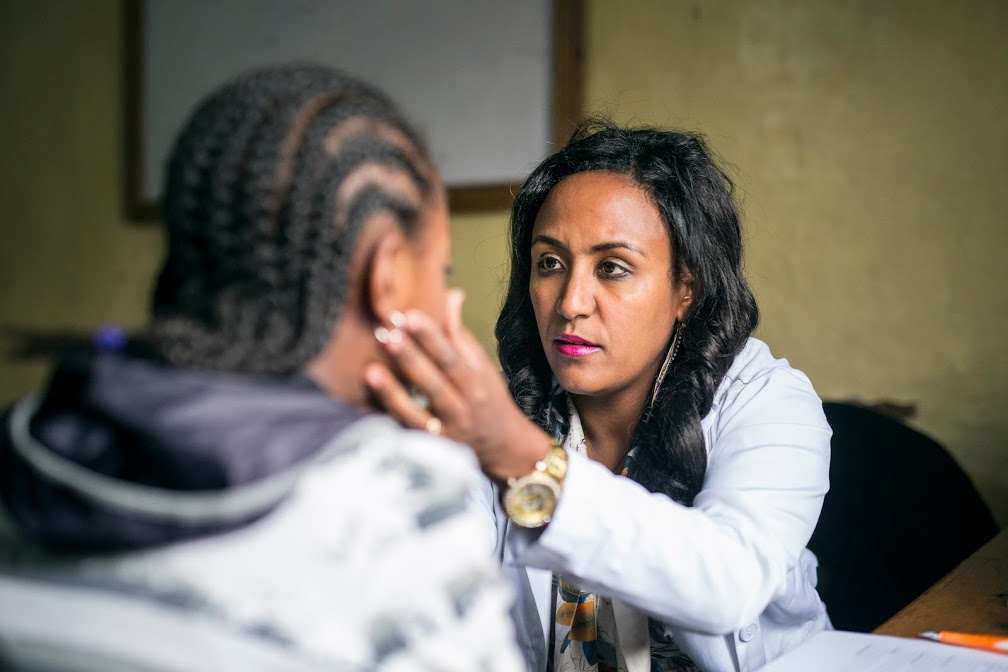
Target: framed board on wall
{"x":492,"y":85}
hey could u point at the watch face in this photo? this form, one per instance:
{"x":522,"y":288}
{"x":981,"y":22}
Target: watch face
{"x":531,"y":501}
{"x":536,"y":497}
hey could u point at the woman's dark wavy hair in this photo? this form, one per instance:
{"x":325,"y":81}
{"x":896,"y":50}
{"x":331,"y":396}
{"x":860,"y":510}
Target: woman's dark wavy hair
{"x":695,"y":199}
{"x":267,"y":190}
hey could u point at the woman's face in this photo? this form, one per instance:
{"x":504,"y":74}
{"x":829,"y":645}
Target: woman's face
{"x":602,"y":286}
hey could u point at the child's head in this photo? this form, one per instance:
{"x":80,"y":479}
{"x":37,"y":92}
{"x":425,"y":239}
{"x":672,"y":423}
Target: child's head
{"x":295,"y":196}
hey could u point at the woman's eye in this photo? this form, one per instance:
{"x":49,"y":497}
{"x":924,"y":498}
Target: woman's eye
{"x":545,"y":264}
{"x":613,"y":270}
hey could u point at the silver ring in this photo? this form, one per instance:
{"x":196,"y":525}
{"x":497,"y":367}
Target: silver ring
{"x":419,"y":398}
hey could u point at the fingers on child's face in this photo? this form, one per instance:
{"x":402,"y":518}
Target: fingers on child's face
{"x":393,"y":396}
{"x":432,"y":341}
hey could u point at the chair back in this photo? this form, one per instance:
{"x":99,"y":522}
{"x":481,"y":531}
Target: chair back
{"x":900,"y":514}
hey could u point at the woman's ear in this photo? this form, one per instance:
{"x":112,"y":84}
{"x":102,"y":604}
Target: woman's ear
{"x":685,"y":295}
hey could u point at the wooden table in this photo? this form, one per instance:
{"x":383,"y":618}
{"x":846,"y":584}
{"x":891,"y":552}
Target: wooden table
{"x":973,"y":597}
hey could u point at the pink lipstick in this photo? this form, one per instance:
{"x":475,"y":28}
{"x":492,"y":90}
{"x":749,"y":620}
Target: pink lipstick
{"x":574,"y":346}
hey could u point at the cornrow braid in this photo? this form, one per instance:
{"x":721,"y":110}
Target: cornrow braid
{"x":267,"y":189}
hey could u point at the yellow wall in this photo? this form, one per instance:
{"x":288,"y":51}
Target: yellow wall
{"x":479,"y":258}
{"x":67,"y":257}
{"x":872,"y":148}
{"x":869,"y":140}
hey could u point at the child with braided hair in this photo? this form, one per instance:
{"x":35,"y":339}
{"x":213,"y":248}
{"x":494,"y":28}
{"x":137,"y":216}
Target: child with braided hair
{"x":217,"y":492}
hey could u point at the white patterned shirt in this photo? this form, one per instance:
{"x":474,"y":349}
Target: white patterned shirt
{"x":372,"y":563}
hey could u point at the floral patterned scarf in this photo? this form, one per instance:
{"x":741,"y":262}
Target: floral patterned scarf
{"x":584,"y":633}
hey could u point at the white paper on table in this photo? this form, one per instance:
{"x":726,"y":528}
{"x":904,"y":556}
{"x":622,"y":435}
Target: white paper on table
{"x":837,"y":651}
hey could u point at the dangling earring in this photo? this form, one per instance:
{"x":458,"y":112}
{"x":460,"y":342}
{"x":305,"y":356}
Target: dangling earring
{"x":673,"y":349}
{"x":394,"y":335}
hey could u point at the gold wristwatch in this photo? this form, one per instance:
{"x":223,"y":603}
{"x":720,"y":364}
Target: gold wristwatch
{"x":531,"y":499}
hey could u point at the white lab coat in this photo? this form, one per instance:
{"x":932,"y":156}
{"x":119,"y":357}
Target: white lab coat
{"x":731,"y":576}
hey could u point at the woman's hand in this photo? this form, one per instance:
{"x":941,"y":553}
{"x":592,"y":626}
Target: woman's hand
{"x":468,"y":398}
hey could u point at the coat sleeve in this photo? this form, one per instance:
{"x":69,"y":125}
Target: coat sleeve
{"x":713,"y":567}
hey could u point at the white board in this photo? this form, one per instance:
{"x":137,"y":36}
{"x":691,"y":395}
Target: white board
{"x":474,"y":76}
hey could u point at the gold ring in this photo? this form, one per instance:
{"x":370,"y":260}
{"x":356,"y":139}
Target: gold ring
{"x":433,"y":425}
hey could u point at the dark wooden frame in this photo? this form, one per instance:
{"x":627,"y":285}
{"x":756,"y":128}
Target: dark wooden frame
{"x":567,"y":72}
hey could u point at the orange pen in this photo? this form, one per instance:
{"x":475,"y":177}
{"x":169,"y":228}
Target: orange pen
{"x":995,"y":643}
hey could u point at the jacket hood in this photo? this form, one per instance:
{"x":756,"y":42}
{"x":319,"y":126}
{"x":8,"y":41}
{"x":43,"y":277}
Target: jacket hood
{"x":126,"y":453}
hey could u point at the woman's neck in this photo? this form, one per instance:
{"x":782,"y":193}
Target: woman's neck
{"x":609,"y":425}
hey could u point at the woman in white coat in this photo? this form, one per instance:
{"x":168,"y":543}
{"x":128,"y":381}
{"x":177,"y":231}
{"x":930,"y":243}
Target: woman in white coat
{"x":654,"y":473}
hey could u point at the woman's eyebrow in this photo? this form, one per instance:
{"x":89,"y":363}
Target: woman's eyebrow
{"x":619,"y":244}
{"x":600,"y":247}
{"x":553,"y":242}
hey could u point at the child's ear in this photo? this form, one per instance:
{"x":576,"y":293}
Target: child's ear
{"x":388,"y":271}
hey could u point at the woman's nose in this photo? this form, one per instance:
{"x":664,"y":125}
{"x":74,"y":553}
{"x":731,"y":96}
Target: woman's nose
{"x":576,"y":299}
